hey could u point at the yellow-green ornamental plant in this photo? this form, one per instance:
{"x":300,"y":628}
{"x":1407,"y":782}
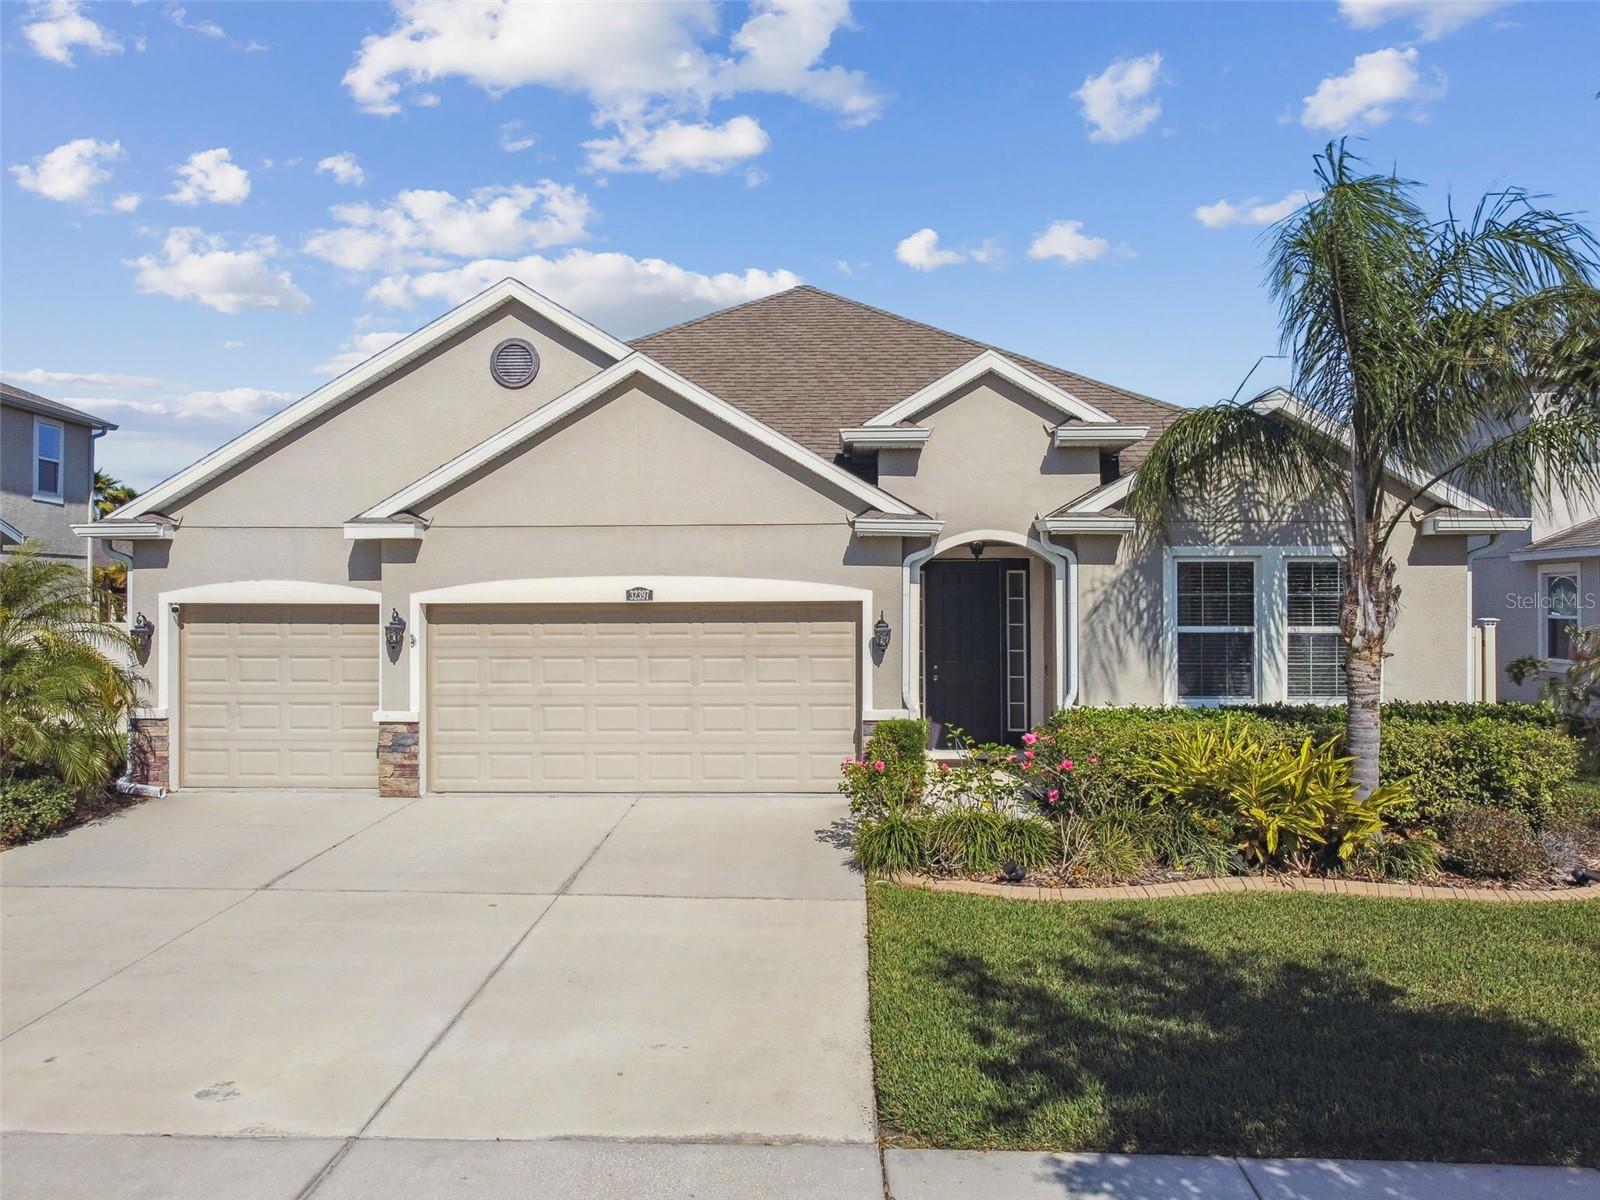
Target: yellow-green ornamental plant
{"x":1422,"y":351}
{"x":64,"y":682}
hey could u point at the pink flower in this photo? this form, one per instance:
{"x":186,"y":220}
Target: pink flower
{"x":878,"y":766}
{"x":1094,"y":760}
{"x":1011,"y":758}
{"x":944,"y":766}
{"x":1066,"y":764}
{"x":1052,"y":795}
{"x":1028,"y":754}
{"x":1029,"y":739}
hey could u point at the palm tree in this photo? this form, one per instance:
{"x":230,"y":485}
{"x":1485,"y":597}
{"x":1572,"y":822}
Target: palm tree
{"x":1422,"y":352}
{"x":110,"y":494}
{"x":62,"y":692}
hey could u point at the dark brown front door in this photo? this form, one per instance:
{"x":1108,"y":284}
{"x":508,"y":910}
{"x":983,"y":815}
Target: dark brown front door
{"x":964,"y":632}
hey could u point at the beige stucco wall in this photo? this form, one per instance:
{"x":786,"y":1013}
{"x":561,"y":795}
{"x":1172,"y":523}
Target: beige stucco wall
{"x":389,"y":434}
{"x":43,"y":520}
{"x":989,"y":462}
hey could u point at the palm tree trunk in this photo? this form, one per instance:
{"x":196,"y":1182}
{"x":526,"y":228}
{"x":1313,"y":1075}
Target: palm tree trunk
{"x":1362,"y":730}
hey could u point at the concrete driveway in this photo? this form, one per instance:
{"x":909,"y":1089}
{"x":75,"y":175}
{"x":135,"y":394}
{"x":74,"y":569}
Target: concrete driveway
{"x":279,"y":995}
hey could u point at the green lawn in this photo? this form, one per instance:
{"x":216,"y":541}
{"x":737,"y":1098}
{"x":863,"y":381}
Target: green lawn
{"x":1261,"y":1025}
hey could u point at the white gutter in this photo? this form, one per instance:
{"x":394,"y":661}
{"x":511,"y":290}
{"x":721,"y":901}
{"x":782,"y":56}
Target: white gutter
{"x":132,"y":530}
{"x":897,"y":527}
{"x":1071,"y":523}
{"x":360,"y":531}
{"x":1469,"y":523}
{"x":1098,"y":435}
{"x":891,"y":438}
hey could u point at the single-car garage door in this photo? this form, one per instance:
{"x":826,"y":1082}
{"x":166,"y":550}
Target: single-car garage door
{"x":278,"y":696}
{"x":664,"y":698}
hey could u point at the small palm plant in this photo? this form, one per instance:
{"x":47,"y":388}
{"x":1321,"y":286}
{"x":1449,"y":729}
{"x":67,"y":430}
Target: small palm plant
{"x":1422,"y":352}
{"x":63,"y":687}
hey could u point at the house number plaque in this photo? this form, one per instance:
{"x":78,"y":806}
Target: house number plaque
{"x":640,"y":593}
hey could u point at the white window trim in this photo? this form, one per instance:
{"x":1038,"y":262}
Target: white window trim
{"x":1271,"y":630}
{"x":1549,"y":571}
{"x":1253,"y":630}
{"x":59,"y":495}
{"x":1291,"y":628}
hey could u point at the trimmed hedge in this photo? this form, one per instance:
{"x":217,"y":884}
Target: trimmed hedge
{"x":1450,"y":756}
{"x":34,"y":808}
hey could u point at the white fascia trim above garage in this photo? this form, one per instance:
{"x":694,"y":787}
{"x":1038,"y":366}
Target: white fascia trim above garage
{"x":590,"y":590}
{"x":987,"y":363}
{"x":591,"y":389}
{"x":1092,"y":434}
{"x":896,"y":437}
{"x":354,"y":380}
{"x":1469,"y":523}
{"x":1085,"y":524}
{"x":130,"y":530}
{"x":361,"y":531}
{"x":897,"y":526}
{"x":240,"y":591}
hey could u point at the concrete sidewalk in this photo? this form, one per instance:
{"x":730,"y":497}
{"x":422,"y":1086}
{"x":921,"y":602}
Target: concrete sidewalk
{"x":1023,"y":1175}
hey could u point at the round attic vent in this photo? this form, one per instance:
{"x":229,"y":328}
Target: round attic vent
{"x":514,"y":363}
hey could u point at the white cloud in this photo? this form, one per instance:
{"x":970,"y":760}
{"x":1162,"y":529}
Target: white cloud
{"x":673,"y":147}
{"x":1066,"y":242}
{"x":71,"y":172}
{"x":211,"y":176}
{"x":230,"y":402}
{"x":1248,"y":212}
{"x":142,"y":458}
{"x":39,"y":377}
{"x":57,"y":26}
{"x":623,"y":294}
{"x":356,"y":350}
{"x":198,"y":266}
{"x":622,"y":57}
{"x":417,"y":227}
{"x":1433,"y":19}
{"x":514,"y":138}
{"x":233,"y":345}
{"x":127,"y":202}
{"x":921,"y":251}
{"x":1117,"y":103}
{"x":179,"y":16}
{"x":1368,"y":90}
{"x":344,"y":168}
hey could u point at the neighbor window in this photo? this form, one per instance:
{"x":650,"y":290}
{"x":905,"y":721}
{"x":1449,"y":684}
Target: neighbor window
{"x":47,"y":445}
{"x":1316,"y":648}
{"x":1216,"y":629}
{"x":1560,"y":613}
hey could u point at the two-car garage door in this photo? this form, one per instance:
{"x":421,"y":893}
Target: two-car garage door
{"x":664,"y":698}
{"x":525,"y":698}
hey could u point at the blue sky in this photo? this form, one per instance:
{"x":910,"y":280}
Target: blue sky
{"x":210,"y":208}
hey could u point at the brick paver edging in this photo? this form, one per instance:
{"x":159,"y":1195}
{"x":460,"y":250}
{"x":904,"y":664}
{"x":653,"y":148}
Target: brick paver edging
{"x":1251,"y":883}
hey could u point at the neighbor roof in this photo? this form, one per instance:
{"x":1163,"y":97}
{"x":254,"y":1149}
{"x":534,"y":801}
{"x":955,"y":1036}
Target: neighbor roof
{"x":1580,"y":537}
{"x":20,"y":398}
{"x":809,"y":363}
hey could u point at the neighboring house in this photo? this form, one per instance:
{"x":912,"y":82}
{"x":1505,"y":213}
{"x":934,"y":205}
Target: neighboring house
{"x":46,"y":473}
{"x":1540,"y":585}
{"x":512,"y":552}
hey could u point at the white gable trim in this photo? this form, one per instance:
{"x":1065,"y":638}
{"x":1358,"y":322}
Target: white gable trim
{"x":635,"y":364}
{"x":354,"y":380}
{"x":11,"y":533}
{"x":987,"y":363}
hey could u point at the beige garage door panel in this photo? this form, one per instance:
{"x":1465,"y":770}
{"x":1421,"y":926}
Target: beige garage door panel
{"x":279,"y":696}
{"x":667,"y":698}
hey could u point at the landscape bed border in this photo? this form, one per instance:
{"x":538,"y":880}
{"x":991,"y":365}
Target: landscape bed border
{"x":1239,"y":884}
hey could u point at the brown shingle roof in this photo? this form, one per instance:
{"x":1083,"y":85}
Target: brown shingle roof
{"x":809,"y":363}
{"x":1580,"y":537}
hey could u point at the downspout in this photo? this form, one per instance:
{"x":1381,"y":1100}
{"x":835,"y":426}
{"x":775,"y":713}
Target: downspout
{"x":1069,"y":696}
{"x":1475,"y":669}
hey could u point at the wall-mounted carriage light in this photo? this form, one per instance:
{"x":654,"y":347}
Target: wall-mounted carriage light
{"x":143,"y":633}
{"x":880,"y":635}
{"x":394,"y":633}
{"x":978,"y":548}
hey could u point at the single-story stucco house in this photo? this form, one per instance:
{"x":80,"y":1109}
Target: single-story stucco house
{"x":512,"y":552}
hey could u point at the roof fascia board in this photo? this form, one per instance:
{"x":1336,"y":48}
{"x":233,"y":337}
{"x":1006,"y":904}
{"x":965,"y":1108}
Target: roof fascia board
{"x":1459,"y":523}
{"x":11,"y":532}
{"x":1086,"y":524}
{"x":130,"y":530}
{"x":636,"y":363}
{"x":986,"y":363}
{"x":897,"y":527}
{"x":1095,"y":434}
{"x":893,"y":438}
{"x":373,"y":531}
{"x":1556,"y":554}
{"x":354,"y":380}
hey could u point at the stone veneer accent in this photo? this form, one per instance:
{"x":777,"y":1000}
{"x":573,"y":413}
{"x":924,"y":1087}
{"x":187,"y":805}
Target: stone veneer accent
{"x":148,"y":761}
{"x":397,"y":759}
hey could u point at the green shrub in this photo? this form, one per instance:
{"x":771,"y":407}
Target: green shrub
{"x":1492,"y":843}
{"x":899,"y":737}
{"x":1029,"y":842}
{"x":968,"y":838}
{"x":1104,"y":847}
{"x":1449,"y":767}
{"x":1188,"y":841}
{"x":1399,"y":857}
{"x":892,"y":842}
{"x":891,"y":770}
{"x":33,"y":808}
